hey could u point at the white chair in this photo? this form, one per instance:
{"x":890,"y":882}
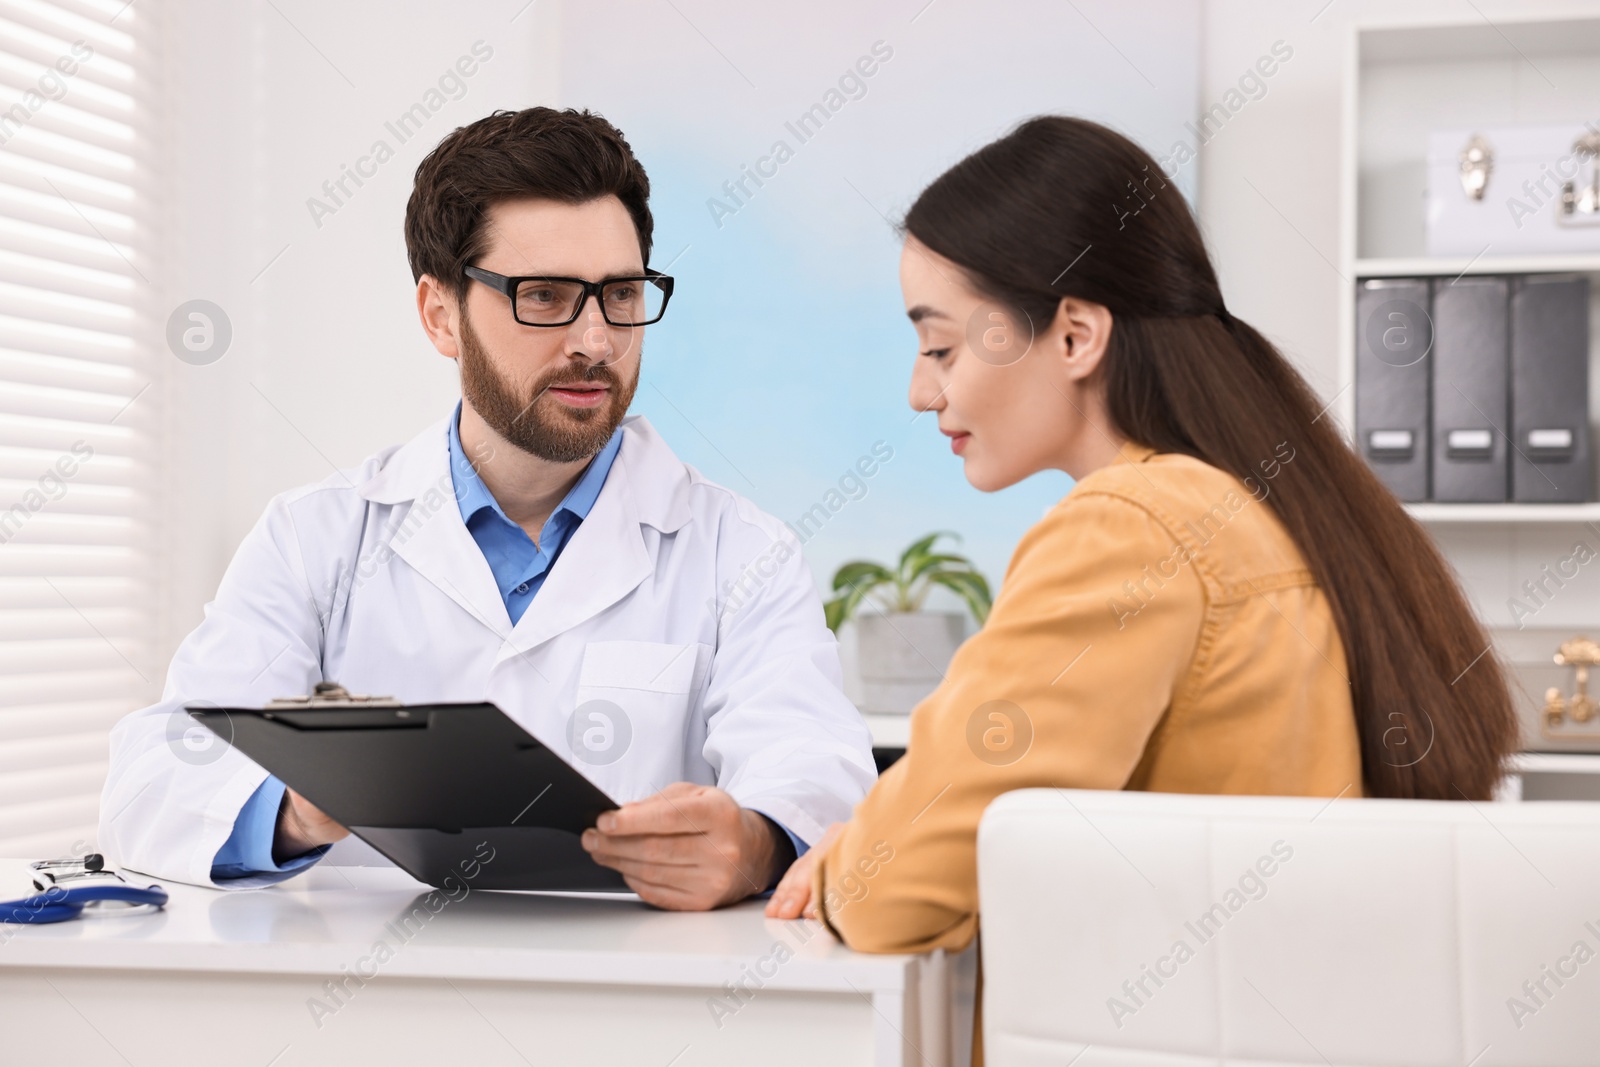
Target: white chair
{"x":1165,"y":930}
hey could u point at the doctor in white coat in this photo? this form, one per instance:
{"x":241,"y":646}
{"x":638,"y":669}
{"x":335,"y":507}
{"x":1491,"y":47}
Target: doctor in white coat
{"x":656,"y":629}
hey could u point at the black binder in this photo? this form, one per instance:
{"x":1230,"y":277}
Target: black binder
{"x":1394,"y":336}
{"x":1550,"y":389}
{"x":441,"y":789}
{"x":1471,"y":406}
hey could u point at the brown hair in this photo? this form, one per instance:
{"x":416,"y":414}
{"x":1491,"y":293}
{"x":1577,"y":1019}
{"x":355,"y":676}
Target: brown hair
{"x":570,"y":156}
{"x":1182,"y":375}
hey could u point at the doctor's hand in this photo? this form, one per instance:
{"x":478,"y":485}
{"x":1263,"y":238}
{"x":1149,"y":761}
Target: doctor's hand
{"x":688,"y":848}
{"x":792,"y":898}
{"x":302,"y":826}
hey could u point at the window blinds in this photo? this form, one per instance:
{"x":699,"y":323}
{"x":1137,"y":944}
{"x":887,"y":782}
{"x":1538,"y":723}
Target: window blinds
{"x":77,"y":413}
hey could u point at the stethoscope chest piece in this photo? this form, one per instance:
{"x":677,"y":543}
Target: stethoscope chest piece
{"x":70,"y":887}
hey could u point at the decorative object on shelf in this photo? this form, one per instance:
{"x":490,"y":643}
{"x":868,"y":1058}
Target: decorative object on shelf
{"x":1582,"y":208}
{"x":1513,"y":190}
{"x":1477,"y":163}
{"x":1579,"y":653}
{"x":903,"y":650}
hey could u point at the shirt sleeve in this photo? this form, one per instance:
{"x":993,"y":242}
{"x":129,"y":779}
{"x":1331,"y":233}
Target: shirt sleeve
{"x":248,"y":850}
{"x":1095,"y":624}
{"x":166,"y":811}
{"x":781,"y":736}
{"x":800,"y":847}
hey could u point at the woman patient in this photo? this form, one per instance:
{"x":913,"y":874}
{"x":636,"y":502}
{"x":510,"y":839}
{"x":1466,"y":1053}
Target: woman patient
{"x":1228,"y":601}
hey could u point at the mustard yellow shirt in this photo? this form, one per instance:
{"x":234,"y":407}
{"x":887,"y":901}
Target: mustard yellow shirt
{"x":1159,"y":630}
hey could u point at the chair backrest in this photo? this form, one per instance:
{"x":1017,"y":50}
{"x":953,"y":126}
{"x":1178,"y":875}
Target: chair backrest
{"x":1166,"y":930}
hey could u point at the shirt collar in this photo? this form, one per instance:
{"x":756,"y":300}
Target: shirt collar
{"x":654,"y":485}
{"x":472,"y":496}
{"x":1133,"y":452}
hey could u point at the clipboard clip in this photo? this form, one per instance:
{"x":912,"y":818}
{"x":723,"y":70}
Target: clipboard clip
{"x":330,"y":695}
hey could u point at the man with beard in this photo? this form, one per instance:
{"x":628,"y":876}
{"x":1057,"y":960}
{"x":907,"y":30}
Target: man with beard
{"x":539,"y":549}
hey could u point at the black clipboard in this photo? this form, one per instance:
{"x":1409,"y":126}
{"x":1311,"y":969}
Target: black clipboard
{"x":454,"y":791}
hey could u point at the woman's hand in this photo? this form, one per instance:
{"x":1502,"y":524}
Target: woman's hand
{"x":792,"y":898}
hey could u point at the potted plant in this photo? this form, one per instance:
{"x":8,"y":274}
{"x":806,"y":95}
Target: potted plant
{"x":903,"y":651}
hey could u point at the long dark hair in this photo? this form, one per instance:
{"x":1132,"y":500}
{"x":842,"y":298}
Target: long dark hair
{"x":1065,"y":207}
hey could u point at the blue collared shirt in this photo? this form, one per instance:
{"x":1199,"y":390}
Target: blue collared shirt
{"x":520,"y":566}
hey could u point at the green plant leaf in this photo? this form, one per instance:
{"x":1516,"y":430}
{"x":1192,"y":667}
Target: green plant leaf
{"x":927,"y":582}
{"x":861,"y":571}
{"x":917,"y":550}
{"x":938,"y":561}
{"x":909,"y":583}
{"x":971,"y":587}
{"x":842,"y":608}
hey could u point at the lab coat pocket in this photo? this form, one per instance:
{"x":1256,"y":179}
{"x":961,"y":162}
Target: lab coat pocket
{"x":635,"y":697}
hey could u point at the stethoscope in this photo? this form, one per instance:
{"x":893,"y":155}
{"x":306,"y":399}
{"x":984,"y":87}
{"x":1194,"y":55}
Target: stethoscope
{"x":57,"y":902}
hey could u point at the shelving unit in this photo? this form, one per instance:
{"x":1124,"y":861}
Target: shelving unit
{"x":1552,"y":776}
{"x":1411,"y":267}
{"x":1556,"y":763}
{"x":1402,"y":80}
{"x":1481,"y":514}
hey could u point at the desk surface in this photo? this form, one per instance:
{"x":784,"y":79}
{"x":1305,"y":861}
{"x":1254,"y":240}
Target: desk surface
{"x":333,"y":916}
{"x":888,"y":731}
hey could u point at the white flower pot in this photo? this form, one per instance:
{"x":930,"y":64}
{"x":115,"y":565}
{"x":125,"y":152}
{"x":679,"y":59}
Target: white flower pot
{"x":903,"y":656}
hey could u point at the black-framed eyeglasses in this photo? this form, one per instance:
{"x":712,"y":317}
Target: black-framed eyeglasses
{"x":543,"y":300}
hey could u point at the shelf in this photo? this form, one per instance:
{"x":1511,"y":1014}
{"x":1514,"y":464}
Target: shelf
{"x":1556,"y":763}
{"x":1504,"y":513}
{"x":888,"y":731}
{"x":1451,"y":266}
{"x":1411,"y":41}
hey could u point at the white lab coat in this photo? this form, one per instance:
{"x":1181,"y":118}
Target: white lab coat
{"x":372,"y":580}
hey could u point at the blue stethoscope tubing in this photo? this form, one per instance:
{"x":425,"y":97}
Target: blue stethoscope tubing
{"x":58,"y":904}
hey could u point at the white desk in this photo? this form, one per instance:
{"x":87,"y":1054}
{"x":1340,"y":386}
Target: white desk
{"x":491,"y":978}
{"x":888,"y":731}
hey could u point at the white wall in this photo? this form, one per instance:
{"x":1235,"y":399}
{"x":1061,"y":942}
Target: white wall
{"x":1269,"y":203}
{"x":328,"y":362}
{"x":1269,"y":182}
